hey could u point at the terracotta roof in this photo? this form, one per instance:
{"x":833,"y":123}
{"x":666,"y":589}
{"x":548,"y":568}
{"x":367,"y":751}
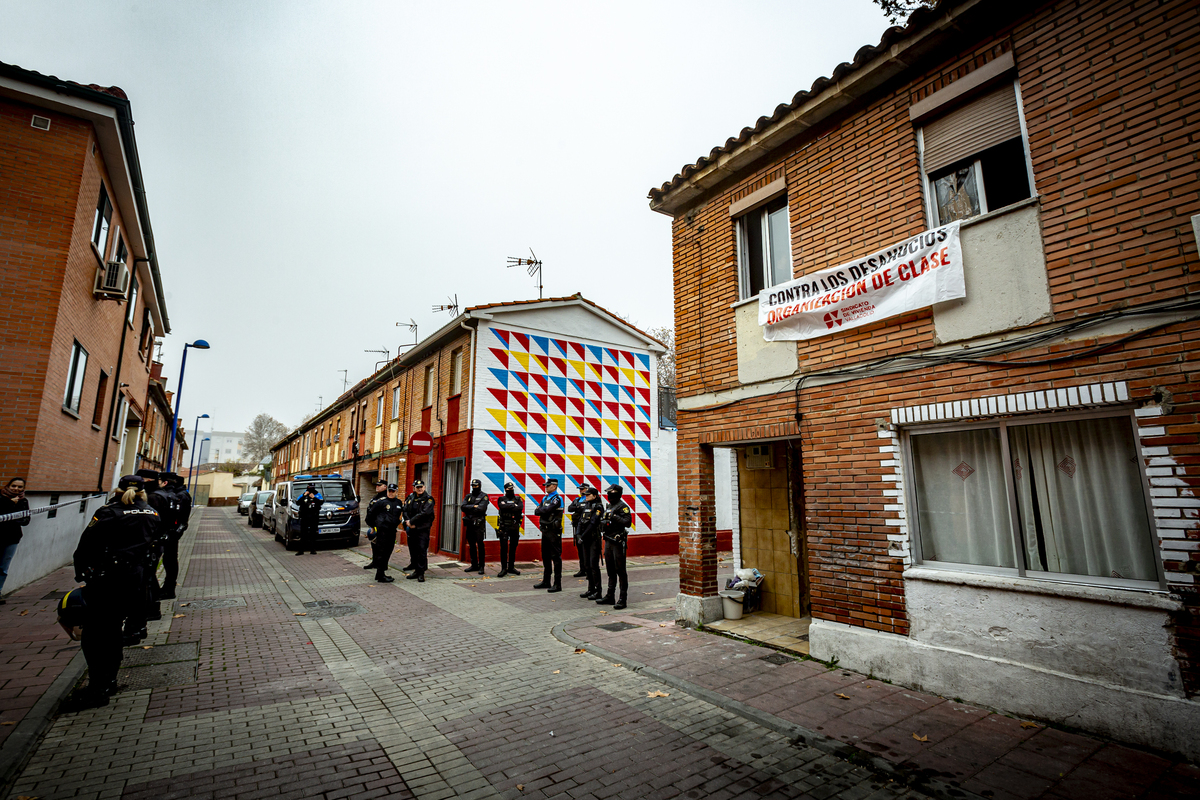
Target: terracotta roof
{"x":917,"y":20}
{"x":114,"y":91}
{"x":577,"y":296}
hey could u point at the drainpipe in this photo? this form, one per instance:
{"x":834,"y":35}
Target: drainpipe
{"x":470,"y":377}
{"x":112,"y":406}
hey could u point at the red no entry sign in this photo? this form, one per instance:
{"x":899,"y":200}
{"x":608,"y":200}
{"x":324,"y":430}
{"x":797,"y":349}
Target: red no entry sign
{"x":420,"y":443}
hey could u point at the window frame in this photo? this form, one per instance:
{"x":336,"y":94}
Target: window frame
{"x":427,"y":387}
{"x":131,"y":312}
{"x":761,"y":212}
{"x":912,"y":517}
{"x":456,"y":368}
{"x":104,"y":213}
{"x":396,"y":401}
{"x":76,"y":373}
{"x":379,"y":409}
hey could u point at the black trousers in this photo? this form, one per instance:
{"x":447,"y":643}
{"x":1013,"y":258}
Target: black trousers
{"x":508,"y":548}
{"x":473,"y":533}
{"x":589,"y":562}
{"x":381,"y":550}
{"x":308,"y":535}
{"x":614,"y":564}
{"x":552,"y":556}
{"x":170,"y":561}
{"x":109,"y":602}
{"x":418,"y":549}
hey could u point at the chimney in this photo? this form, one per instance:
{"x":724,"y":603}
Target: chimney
{"x":156,"y":371}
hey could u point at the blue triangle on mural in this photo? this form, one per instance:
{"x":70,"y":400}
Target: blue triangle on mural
{"x":645,"y":448}
{"x":593,"y":442}
{"x":497,"y":478}
{"x":645,"y":359}
{"x":561,"y":383}
{"x":542,"y":342}
{"x":597,"y":353}
{"x":609,"y":480}
{"x":500,"y":438}
{"x":539,"y":440}
{"x":501,"y":374}
{"x":502,"y":335}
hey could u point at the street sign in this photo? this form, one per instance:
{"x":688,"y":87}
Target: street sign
{"x":420,"y":443}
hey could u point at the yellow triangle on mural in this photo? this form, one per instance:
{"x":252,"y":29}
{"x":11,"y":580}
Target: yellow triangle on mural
{"x":541,"y":362}
{"x":578,"y":367}
{"x":575,"y":425}
{"x":516,"y":419}
{"x":500,"y":414}
{"x":518,"y":459}
{"x":629,"y":375}
{"x":595,"y":372}
{"x":522,"y":359}
{"x":578,"y":462}
{"x":595,"y":464}
{"x":536,"y":460}
{"x":628,"y":430}
{"x":559,"y":420}
{"x":629,"y":464}
{"x":612,"y":426}
{"x":493,"y":521}
{"x":643,"y":378}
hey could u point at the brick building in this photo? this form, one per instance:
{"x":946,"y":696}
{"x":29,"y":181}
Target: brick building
{"x":509,"y":392}
{"x":990,"y":496}
{"x":83,"y":299}
{"x":155,"y":432}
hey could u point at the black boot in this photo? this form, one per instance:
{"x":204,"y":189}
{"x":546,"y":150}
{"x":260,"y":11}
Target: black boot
{"x":512,"y":570}
{"x":370,"y":566}
{"x":409,"y":568}
{"x":620,"y":604}
{"x":580,"y":574}
{"x":503,"y":572}
{"x":557,"y":587}
{"x":380,"y":577}
{"x":167,"y":593}
{"x":588,"y":595}
{"x":607,"y":600}
{"x":471,"y":568}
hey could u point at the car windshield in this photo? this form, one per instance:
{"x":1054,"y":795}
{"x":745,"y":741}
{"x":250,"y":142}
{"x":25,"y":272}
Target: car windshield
{"x":330,"y":491}
{"x":248,"y":496}
{"x":264,"y":497}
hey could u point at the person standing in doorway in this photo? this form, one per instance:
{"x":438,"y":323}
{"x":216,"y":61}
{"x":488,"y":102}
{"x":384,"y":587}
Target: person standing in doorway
{"x":474,"y":519}
{"x":508,"y":528}
{"x":418,"y":519}
{"x":614,"y":526}
{"x":550,"y":513}
{"x":310,"y":513}
{"x":12,"y":501}
{"x":383,"y":515}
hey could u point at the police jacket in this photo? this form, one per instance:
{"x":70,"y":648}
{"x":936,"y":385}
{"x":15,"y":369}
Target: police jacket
{"x":575,"y":509}
{"x":115,"y":544}
{"x":185,"y":507}
{"x":616,"y":521}
{"x":10,"y":532}
{"x":310,"y":507}
{"x":512,"y":511}
{"x":419,"y":511}
{"x":474,"y":509}
{"x":590,"y":513}
{"x":384,"y":514}
{"x":550,"y":513}
{"x":163,"y":502}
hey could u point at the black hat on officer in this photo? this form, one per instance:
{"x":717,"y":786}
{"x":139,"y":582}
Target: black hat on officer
{"x":418,"y":484}
{"x":131,"y":482}
{"x":613,"y":492}
{"x":391,"y":487}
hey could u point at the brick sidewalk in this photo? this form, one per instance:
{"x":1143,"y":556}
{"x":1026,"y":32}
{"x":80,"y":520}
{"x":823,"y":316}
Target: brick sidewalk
{"x":282,"y":676}
{"x":989,"y":754}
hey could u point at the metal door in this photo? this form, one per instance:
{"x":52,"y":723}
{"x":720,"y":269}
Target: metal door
{"x":452,"y":492}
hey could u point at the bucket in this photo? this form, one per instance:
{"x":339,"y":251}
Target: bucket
{"x":731,"y":602}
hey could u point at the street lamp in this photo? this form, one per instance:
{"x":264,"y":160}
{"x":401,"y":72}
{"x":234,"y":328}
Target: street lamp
{"x":195,"y":433}
{"x":199,"y":344}
{"x":196,"y":483}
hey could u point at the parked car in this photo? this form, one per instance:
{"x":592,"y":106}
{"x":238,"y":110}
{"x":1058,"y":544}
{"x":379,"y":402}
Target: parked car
{"x":268,"y":514}
{"x":244,"y":503}
{"x":255,"y":512}
{"x":339,"y":518}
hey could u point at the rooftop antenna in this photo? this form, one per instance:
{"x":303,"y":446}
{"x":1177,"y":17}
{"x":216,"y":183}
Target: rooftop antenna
{"x":412,"y":326}
{"x":159,"y":343}
{"x":320,"y":402}
{"x":345,"y":378}
{"x":451,"y":306}
{"x":387,"y":356}
{"x":532,"y":265}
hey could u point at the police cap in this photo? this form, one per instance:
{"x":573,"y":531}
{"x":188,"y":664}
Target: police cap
{"x":147,"y":473}
{"x":129,"y":481}
{"x":392,"y":487}
{"x":418,"y":484}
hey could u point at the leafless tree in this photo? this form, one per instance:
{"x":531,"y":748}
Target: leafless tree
{"x":897,"y":11}
{"x":263,"y":432}
{"x":666,"y":362}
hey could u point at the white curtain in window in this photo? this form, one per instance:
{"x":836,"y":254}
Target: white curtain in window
{"x":962,"y":503}
{"x":1079,"y":495}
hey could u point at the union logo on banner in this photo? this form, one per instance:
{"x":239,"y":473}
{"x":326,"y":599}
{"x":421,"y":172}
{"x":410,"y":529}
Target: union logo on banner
{"x":906,"y":276}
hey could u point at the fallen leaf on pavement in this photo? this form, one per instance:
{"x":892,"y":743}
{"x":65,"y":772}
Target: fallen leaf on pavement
{"x":557,"y":671}
{"x":23,"y":613}
{"x":520,"y":787}
{"x":303,"y":614}
{"x":147,"y":647}
{"x":8,"y":722}
{"x":662,"y":624}
{"x":647,"y":592}
{"x":843,"y":696}
{"x":921,"y":738}
{"x":1028,"y":724}
{"x":580,"y":650}
{"x":616,"y":665}
{"x":184,"y":605}
{"x":603,"y":612}
{"x":657,"y":694}
{"x":177,"y":616}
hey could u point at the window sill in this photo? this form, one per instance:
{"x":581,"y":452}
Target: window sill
{"x":95,"y":427}
{"x":1140,"y":597}
{"x":97,"y":254}
{"x":1000,"y":212}
{"x":70,"y":413}
{"x":745,"y":302}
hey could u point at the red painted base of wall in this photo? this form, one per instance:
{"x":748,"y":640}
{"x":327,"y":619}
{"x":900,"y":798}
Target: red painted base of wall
{"x":643,"y":544}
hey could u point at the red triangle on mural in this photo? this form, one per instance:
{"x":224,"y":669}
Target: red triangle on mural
{"x":539,"y":419}
{"x":577,"y":404}
{"x":545,"y":401}
{"x":558,"y":461}
{"x":610,"y":462}
{"x":519,"y":399}
{"x":628,"y":409}
{"x":523,"y":340}
{"x":644,"y":392}
{"x":645,"y":482}
{"x":518,"y":477}
{"x":501,"y":355}
{"x":518,"y":440}
{"x":613,"y":372}
{"x":576,"y":441}
{"x":614,"y":409}
{"x":594,"y":390}
{"x":559,"y":402}
{"x":615,"y":354}
{"x":595,"y":423}
{"x":532,"y":519}
{"x":627,"y":445}
{"x":521,"y":415}
{"x":645,"y":519}
{"x":503,"y":334}
{"x":579,"y":351}
{"x":501,"y":395}
{"x":560,"y":440}
{"x":560,"y":364}
{"x":582,"y":423}
{"x":627,"y":357}
{"x":645,"y":462}
{"x":645,"y":410}
{"x":496,"y":456}
{"x":645,"y":376}
{"x":523,"y":377}
{"x":539,"y":381}
{"x":644,"y":427}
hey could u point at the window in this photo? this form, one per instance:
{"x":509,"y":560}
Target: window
{"x":379,"y":410}
{"x":101,"y":388}
{"x":118,"y":424}
{"x":1042,"y":496}
{"x":100,"y":227}
{"x":974,"y":157}
{"x":75,"y":372}
{"x":456,"y":365}
{"x":129,"y":313}
{"x":428,"y":392}
{"x":396,"y":402}
{"x":362,"y":418}
{"x":119,"y":251}
{"x":764,"y":248}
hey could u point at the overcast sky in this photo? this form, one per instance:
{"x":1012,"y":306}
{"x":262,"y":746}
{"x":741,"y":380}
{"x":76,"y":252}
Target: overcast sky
{"x":318,"y":172}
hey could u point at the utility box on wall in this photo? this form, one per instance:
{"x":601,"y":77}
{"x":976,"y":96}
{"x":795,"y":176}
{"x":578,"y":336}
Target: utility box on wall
{"x":758,"y":456}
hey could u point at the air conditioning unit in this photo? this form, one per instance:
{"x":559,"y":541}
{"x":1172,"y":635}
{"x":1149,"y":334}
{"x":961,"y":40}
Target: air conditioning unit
{"x":758,"y":456}
{"x":112,"y":279}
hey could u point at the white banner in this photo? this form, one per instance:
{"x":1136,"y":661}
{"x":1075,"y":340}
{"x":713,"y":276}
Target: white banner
{"x":915,"y":273}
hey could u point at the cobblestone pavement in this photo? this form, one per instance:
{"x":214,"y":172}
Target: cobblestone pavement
{"x":300,"y":677}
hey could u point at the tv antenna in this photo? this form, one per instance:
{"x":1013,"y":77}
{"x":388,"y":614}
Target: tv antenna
{"x":532,"y":265}
{"x":412,"y":326}
{"x":387,"y":356}
{"x":320,"y":402}
{"x":451,"y":306}
{"x":345,"y":378}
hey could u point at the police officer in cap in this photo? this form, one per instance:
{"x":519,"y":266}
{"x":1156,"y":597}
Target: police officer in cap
{"x":614,"y":526}
{"x":550,"y":513}
{"x":110,"y":559}
{"x":508,"y":529}
{"x":380,"y":491}
{"x":310,"y":513}
{"x":164,"y":503}
{"x":383,"y":515}
{"x":181,"y":507}
{"x":575,"y":509}
{"x":474,"y":520}
{"x":591,"y":510}
{"x":418,"y":519}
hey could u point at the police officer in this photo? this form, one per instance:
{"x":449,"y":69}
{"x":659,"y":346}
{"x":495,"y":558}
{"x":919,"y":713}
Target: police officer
{"x":474,"y":521}
{"x":550,"y":513}
{"x":383,"y":515}
{"x":614,"y":526}
{"x":380,"y":491}
{"x":418,"y":519}
{"x":591,"y":510}
{"x":575,"y":509}
{"x":173,"y":526}
{"x":164,"y":504}
{"x":508,"y":529}
{"x":310,"y":513}
{"x":110,"y":559}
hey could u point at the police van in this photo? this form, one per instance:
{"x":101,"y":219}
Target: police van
{"x":338,"y":520}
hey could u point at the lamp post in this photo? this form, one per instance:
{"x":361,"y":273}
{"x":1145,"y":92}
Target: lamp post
{"x":196,"y":483}
{"x":195,"y":433}
{"x":199,"y":344}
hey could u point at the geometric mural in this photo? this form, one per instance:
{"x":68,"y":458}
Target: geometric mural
{"x":556,"y":407}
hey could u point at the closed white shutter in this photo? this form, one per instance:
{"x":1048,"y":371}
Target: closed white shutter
{"x":973,"y":128}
